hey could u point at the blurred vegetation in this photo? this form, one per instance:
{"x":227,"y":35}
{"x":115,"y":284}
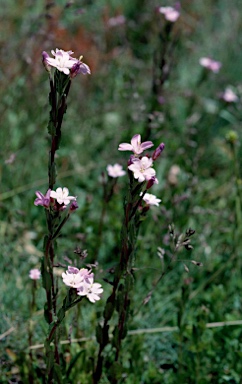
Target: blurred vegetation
{"x":199,"y":175}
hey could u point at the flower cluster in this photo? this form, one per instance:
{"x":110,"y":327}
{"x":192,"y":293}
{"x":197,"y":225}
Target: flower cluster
{"x":210,"y":64}
{"x":64,"y":62}
{"x":60,"y":195}
{"x":171,"y":14}
{"x":34,"y":274}
{"x":142,"y":166}
{"x":83,"y":281}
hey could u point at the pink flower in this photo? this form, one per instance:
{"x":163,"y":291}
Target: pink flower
{"x":79,"y":67}
{"x":210,"y":64}
{"x":43,"y":200}
{"x":61,"y":195}
{"x":142,"y":169}
{"x":229,"y":96}
{"x":83,"y":281}
{"x":151,"y":199}
{"x":34,"y":274}
{"x":76,"y":278}
{"x":136,"y":146}
{"x":87,"y":275}
{"x":115,"y":21}
{"x":62,"y":60}
{"x":72,"y":277}
{"x":170,"y":13}
{"x":91,"y":291}
{"x":115,"y":170}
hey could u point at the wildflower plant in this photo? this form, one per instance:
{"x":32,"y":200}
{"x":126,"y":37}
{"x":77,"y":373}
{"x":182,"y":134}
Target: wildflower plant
{"x":59,"y":204}
{"x":142,"y":176}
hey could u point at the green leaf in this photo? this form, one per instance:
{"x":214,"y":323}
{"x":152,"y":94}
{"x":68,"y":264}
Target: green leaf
{"x":99,"y":334}
{"x":73,"y":362}
{"x":46,"y":313}
{"x":57,"y":374}
{"x":115,"y":371}
{"x":61,"y":314}
{"x":108,"y":311}
{"x":46,"y":280}
{"x":50,"y":360}
{"x":115,"y":340}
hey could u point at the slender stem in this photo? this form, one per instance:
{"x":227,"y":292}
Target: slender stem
{"x":123,"y":270}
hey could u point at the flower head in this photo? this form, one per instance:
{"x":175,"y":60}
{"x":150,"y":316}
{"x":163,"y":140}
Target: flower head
{"x":151,"y":199}
{"x":34,"y":274}
{"x":92,"y":291}
{"x":229,"y":96}
{"x":72,"y":277}
{"x":171,"y":14}
{"x":136,"y":146}
{"x":61,"y":195}
{"x":115,"y":170}
{"x":43,"y":200}
{"x":79,"y":67}
{"x":142,"y":169}
{"x":210,"y":64}
{"x":62,"y":60}
{"x":87,"y":275}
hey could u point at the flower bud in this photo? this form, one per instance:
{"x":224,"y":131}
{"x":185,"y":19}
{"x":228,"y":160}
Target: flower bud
{"x":158,"y":151}
{"x":44,"y":61}
{"x":151,"y":182}
{"x":73,"y":206}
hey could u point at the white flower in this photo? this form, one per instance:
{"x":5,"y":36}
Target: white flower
{"x":74,"y":280}
{"x":170,"y":13}
{"x":92,"y":291}
{"x":115,"y":170}
{"x":151,"y":199}
{"x":61,"y":195}
{"x":34,"y":274}
{"x":142,"y":169}
{"x":62,"y":61}
{"x":136,"y":146}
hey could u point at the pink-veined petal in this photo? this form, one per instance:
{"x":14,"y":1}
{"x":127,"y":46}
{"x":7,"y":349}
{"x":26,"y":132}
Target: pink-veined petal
{"x":125,"y":147}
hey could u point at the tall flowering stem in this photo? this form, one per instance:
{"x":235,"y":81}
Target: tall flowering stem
{"x":55,"y":203}
{"x":120,"y":297}
{"x":141,"y":178}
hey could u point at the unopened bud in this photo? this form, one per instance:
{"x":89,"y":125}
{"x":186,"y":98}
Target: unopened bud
{"x":197,"y":263}
{"x":45,"y":56}
{"x":186,"y":268}
{"x":73,"y":206}
{"x":158,"y":151}
{"x":231,"y":137}
{"x":151,"y":182}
